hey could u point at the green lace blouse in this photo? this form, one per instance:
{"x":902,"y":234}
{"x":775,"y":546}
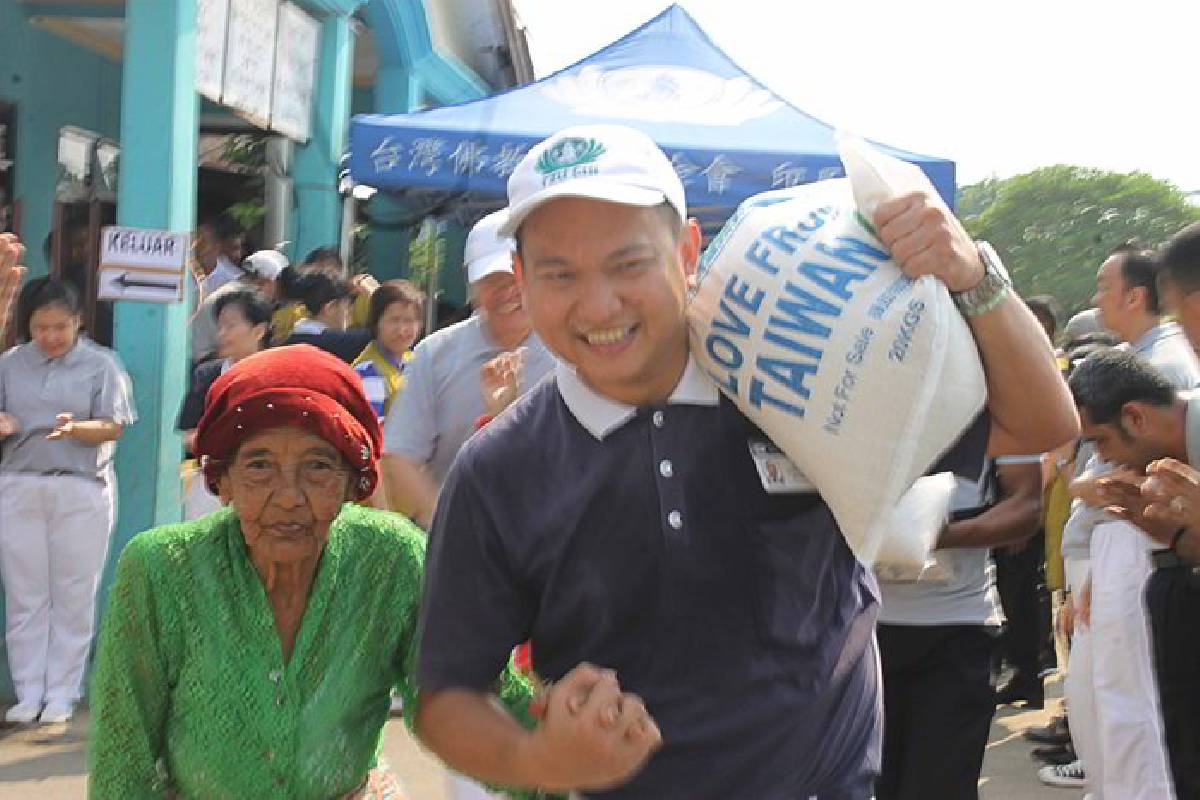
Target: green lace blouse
{"x":191,"y":696}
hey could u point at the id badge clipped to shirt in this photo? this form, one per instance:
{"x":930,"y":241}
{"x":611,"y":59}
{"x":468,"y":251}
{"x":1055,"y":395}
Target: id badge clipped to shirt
{"x":777,"y":472}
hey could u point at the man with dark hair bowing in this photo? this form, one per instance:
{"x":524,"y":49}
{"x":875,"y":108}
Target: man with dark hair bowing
{"x":1140,"y":421}
{"x":614,"y":514}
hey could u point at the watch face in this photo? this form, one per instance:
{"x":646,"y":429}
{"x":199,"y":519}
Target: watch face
{"x":990,"y":291}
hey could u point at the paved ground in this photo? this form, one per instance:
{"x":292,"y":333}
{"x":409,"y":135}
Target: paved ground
{"x":42,"y":764}
{"x":1008,"y":771}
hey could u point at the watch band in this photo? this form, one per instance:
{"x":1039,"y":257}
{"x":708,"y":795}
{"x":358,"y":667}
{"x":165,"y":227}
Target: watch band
{"x":991,"y":291}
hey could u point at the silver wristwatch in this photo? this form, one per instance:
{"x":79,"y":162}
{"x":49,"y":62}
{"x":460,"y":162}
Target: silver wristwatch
{"x":989,"y":292}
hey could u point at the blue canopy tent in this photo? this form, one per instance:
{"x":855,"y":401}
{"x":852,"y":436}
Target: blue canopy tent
{"x":728,"y":135}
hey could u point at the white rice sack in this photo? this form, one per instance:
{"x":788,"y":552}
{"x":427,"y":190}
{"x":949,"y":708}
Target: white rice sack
{"x":863,"y":377}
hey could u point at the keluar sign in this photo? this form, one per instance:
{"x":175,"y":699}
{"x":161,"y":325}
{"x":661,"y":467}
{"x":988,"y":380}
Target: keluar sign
{"x":141,"y":264}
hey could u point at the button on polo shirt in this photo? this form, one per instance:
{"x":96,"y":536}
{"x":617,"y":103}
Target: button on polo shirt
{"x":741,"y":618}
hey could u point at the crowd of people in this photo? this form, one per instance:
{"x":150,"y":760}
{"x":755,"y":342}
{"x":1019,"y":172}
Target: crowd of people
{"x":1123,"y":533}
{"x":588,"y":587}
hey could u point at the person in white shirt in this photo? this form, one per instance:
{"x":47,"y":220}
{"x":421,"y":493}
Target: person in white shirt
{"x":218,"y":248}
{"x":1111,"y":694}
{"x":442,"y":400}
{"x":257,"y":273}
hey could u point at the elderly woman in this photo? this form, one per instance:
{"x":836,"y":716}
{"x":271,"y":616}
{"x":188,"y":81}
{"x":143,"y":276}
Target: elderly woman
{"x":64,"y":402}
{"x":251,"y":653}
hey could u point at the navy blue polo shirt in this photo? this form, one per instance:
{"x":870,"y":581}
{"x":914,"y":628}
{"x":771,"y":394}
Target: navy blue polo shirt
{"x":642,"y":540}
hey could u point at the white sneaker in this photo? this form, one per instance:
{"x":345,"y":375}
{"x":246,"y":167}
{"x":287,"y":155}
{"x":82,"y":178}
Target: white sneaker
{"x":22,"y":713}
{"x":56,"y":713}
{"x":1068,"y":776}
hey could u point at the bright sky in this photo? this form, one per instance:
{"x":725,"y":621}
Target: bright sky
{"x":999,"y":87}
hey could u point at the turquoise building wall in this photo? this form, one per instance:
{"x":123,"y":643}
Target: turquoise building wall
{"x":53,"y":83}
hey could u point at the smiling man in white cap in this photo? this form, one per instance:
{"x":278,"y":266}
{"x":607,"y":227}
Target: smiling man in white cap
{"x":442,"y":400}
{"x":615,"y":516}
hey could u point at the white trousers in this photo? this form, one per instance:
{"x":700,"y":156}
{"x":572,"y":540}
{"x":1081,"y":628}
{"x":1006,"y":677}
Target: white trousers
{"x":1079,"y":686}
{"x":1131,"y":763}
{"x":54,"y":534}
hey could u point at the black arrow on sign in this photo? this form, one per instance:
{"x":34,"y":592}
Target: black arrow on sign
{"x":128,"y":282}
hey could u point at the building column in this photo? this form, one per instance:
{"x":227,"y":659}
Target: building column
{"x":159,"y":117}
{"x":315,"y":171}
{"x":398,"y":90}
{"x":392,"y":229}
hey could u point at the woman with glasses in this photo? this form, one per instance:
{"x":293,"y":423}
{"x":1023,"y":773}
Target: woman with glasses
{"x":252,"y":652}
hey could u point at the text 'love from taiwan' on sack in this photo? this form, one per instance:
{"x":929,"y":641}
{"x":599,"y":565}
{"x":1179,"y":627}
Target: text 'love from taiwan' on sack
{"x":863,"y":377}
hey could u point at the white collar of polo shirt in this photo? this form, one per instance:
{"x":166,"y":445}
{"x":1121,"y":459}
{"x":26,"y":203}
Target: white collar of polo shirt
{"x":309,"y":326}
{"x":1153,"y":336}
{"x":66,"y":359}
{"x":602,"y":415}
{"x":224,"y":271}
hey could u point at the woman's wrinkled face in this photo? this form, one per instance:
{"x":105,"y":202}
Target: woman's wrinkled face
{"x":54,"y":329}
{"x":287,"y":486}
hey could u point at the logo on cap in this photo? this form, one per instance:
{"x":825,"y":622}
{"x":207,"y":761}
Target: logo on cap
{"x":569,"y":159}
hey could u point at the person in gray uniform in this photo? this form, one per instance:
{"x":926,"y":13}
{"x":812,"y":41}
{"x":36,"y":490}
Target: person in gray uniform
{"x":1129,"y":299}
{"x":64,"y":402}
{"x":1111,"y":698}
{"x":936,"y":636}
{"x":1136,"y":417}
{"x":442,"y":401}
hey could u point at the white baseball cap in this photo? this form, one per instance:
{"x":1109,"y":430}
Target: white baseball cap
{"x":487,"y":249}
{"x":265,"y":264}
{"x":602,"y":162}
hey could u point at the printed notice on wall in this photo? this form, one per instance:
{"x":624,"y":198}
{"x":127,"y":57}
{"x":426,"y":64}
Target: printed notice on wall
{"x":212,"y":19}
{"x":297,"y":45}
{"x":249,"y":58}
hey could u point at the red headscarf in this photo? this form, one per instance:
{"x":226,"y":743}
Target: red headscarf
{"x":298,"y":386}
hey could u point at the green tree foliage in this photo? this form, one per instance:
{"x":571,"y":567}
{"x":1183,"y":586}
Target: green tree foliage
{"x":1055,"y":226}
{"x":247,"y":153}
{"x":973,"y":200}
{"x":247,"y":150}
{"x":424,"y":255}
